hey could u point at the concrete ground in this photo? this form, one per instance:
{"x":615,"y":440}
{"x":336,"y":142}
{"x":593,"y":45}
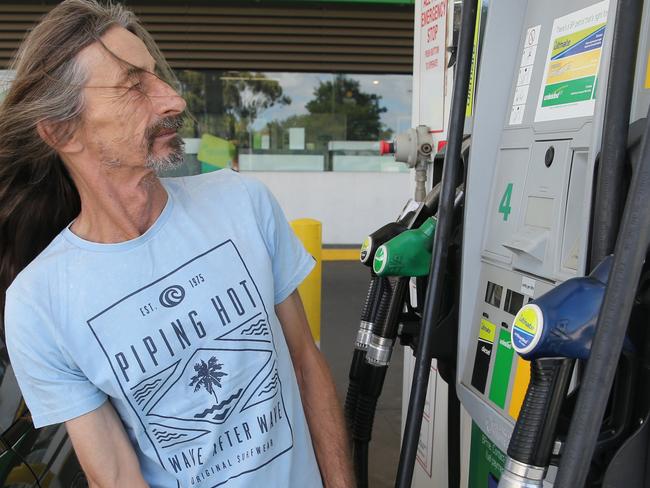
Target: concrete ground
{"x":344,"y":288}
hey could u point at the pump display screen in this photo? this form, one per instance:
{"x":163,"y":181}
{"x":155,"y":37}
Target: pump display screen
{"x":514,"y":301}
{"x":493,"y":294}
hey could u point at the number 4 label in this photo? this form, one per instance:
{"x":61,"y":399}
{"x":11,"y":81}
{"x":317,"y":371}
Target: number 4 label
{"x":504,"y":204}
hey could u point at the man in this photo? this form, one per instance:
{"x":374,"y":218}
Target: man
{"x":162,"y":325}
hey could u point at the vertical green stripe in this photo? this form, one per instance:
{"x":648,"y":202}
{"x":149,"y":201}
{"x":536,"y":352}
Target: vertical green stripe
{"x":502,"y":369}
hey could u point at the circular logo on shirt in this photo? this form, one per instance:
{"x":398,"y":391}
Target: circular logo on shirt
{"x":172,"y":296}
{"x":527,"y":328}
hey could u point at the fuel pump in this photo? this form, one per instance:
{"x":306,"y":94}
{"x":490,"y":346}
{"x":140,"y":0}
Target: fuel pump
{"x":366,"y":382}
{"x":553,"y":364}
{"x":438,"y":311}
{"x":377,"y":334}
{"x":383,"y":301}
{"x":550,"y":347}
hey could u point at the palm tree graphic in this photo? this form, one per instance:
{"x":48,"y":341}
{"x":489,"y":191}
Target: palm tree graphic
{"x":208,"y":375}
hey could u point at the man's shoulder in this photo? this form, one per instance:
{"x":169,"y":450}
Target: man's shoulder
{"x":40,"y":271}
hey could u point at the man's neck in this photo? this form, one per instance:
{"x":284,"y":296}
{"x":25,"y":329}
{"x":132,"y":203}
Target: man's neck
{"x":117,"y":209}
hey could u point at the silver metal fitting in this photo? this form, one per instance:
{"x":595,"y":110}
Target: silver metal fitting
{"x":414,"y":145}
{"x":379,"y":351}
{"x":363,"y":335}
{"x":520,"y":475}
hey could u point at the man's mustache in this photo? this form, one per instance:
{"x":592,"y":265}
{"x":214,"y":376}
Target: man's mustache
{"x":174,"y":122}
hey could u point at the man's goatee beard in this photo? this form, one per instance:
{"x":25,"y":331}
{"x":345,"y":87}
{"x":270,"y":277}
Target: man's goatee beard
{"x":170,"y":162}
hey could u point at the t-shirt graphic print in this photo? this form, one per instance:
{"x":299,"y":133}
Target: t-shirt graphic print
{"x":177,"y":329}
{"x":204,"y":360}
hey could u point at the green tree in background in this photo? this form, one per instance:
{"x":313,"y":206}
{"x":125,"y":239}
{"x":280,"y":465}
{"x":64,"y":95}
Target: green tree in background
{"x":362,"y":111}
{"x":339,"y":111}
{"x":227,"y":104}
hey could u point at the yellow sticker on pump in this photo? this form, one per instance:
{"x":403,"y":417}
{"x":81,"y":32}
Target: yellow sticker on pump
{"x":487,"y":332}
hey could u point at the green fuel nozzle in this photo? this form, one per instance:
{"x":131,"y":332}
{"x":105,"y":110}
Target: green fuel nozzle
{"x":408,"y":254}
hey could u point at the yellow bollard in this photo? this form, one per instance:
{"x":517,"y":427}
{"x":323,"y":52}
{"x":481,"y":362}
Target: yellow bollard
{"x":309,"y":231}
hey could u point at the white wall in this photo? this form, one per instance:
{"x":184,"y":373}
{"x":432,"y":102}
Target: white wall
{"x":350,"y":205}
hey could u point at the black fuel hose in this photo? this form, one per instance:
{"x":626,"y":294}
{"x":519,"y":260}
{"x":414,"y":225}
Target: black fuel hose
{"x":610,"y":182}
{"x":375,"y":371}
{"x":444,"y":230}
{"x":369,"y":384}
{"x":388,"y":329}
{"x":359,"y":355}
{"x":534,"y":435}
{"x":361,"y":463}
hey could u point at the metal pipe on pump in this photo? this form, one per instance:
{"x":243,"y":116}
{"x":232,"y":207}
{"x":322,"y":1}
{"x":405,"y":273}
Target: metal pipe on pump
{"x":444,"y":229}
{"x":380,"y":314}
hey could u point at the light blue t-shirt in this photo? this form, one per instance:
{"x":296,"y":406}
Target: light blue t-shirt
{"x":177,"y":328}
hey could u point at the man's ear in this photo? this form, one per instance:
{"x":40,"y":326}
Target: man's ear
{"x":59,"y":137}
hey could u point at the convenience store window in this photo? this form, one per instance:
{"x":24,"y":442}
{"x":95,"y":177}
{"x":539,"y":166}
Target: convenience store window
{"x":271,"y":121}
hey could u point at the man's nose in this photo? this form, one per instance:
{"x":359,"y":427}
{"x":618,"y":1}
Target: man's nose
{"x":166,"y":100}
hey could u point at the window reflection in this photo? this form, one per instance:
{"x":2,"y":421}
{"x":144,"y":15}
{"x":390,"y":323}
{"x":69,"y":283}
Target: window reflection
{"x":264,"y":121}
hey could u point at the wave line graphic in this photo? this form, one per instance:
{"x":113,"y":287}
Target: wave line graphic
{"x":221,"y":416}
{"x":142,"y":393}
{"x":169,"y":437}
{"x":221,"y":405}
{"x":258,"y":328}
{"x":271,"y":386}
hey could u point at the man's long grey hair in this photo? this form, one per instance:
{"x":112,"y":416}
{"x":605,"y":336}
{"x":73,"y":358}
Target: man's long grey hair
{"x":37,"y":196}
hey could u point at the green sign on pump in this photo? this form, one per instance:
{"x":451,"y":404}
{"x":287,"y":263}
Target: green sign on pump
{"x":486,"y":461}
{"x":502,"y":369}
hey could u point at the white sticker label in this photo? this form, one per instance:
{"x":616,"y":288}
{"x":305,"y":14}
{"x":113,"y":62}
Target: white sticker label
{"x":521,"y":94}
{"x":528,"y":57}
{"x":525,"y":72}
{"x":524,"y":75}
{"x":527,"y":286}
{"x":532,"y":36}
{"x":517,"y":114}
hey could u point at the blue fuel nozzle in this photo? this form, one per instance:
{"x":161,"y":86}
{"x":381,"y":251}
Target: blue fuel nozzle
{"x":562,"y":322}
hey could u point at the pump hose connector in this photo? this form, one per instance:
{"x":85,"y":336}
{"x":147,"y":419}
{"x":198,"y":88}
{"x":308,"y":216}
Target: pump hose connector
{"x":380,"y":348}
{"x":518,"y":475}
{"x":367,"y":321}
{"x":383,"y":339}
{"x":376,"y":290}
